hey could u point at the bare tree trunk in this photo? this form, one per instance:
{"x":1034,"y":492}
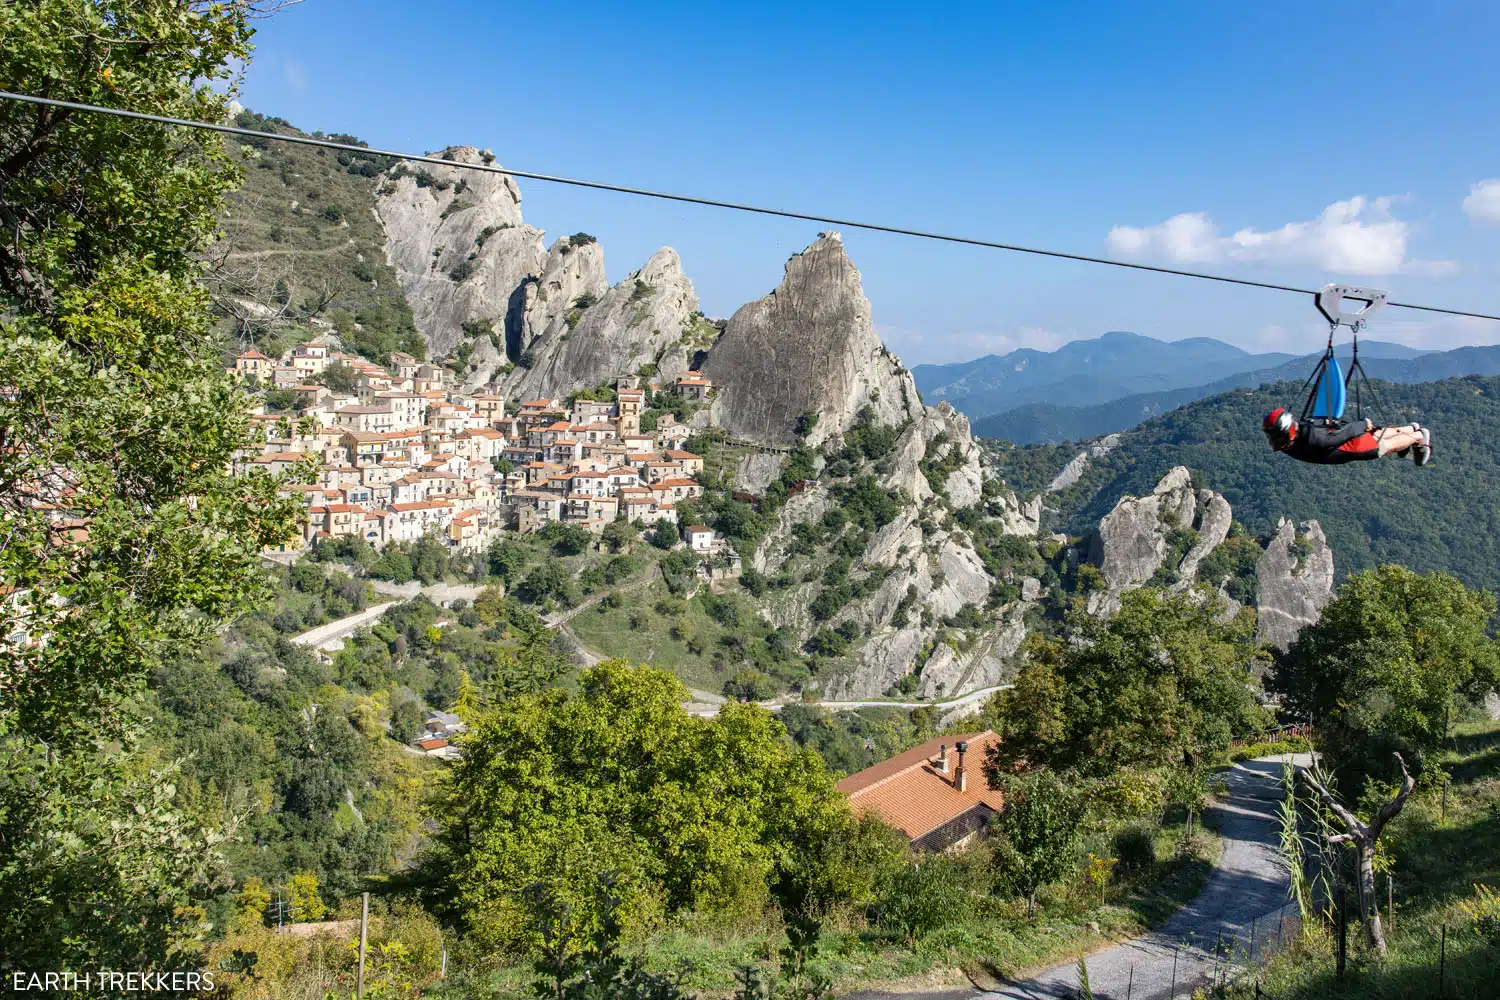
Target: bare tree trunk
{"x":1363,"y":837}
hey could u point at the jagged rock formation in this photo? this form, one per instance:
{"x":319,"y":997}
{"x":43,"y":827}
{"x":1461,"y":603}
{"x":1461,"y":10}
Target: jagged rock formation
{"x":1295,"y":578}
{"x":457,"y":243}
{"x":1074,"y":470}
{"x":1135,"y":539}
{"x":644,"y":319}
{"x":808,"y":347}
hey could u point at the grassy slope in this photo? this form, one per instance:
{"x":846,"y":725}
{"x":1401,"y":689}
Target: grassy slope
{"x":1437,"y":862}
{"x":319,"y":258}
{"x":1439,"y":518}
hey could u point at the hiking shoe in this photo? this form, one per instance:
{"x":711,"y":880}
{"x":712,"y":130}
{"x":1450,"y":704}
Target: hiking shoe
{"x":1422,"y":453}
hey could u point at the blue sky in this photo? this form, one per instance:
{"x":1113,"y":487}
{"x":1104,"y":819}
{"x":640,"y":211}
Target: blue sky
{"x":1265,"y":143}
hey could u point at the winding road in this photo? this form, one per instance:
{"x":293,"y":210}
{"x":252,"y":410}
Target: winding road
{"x":1242,"y":902}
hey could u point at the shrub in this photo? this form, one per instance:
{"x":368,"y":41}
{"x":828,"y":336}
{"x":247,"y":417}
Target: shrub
{"x":1268,"y":748}
{"x":923,"y":896}
{"x":1135,"y":847}
{"x":1484,"y":910}
{"x":750,"y":684}
{"x":333,"y":212}
{"x":463,"y":272}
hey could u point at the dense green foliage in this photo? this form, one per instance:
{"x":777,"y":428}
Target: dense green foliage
{"x":1381,"y":668}
{"x":1438,"y":518}
{"x":126,"y":539}
{"x":1041,"y":824}
{"x":1162,"y":679}
{"x":710,"y":815}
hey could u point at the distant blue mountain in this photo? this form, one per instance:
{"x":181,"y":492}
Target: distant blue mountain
{"x":1098,"y":371}
{"x":1036,"y":423}
{"x":1083,"y":372}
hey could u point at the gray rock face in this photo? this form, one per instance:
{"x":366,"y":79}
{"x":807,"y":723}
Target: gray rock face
{"x":433,"y":232}
{"x":883,"y":661}
{"x":1215,"y":518}
{"x":642,"y":320}
{"x":808,"y":347}
{"x":570,"y":273}
{"x":1294,"y":585}
{"x":1134,"y":539}
{"x":990,"y":661}
{"x":935,"y":432}
{"x":758,"y":470}
{"x":1073,"y":471}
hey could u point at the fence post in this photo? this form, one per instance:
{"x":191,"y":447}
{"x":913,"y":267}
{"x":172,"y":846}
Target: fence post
{"x":1443,"y":964}
{"x":1252,"y":938}
{"x":1343,"y":931}
{"x":364,"y":920}
{"x":1130,"y":983}
{"x":1173,"y":994}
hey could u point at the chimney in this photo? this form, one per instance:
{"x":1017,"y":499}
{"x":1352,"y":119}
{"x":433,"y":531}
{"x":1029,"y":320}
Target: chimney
{"x":942,"y":765}
{"x":962,"y":777}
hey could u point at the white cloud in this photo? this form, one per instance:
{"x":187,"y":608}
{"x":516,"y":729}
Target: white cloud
{"x":1482,"y":206}
{"x":1357,"y":236}
{"x":296,"y":76}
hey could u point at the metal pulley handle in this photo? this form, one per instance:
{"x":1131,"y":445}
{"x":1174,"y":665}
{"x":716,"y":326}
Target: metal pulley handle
{"x":1330,"y":300}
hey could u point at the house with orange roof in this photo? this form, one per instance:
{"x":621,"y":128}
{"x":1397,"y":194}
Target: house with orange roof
{"x":693,"y":386}
{"x":936,"y":794}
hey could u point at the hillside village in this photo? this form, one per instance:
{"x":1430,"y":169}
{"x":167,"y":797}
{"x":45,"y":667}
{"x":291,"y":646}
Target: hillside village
{"x":407,"y":453}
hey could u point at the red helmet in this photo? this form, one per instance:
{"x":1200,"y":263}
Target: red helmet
{"x":1280,"y":427}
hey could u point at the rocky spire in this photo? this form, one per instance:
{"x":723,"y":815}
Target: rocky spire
{"x":1294,"y":577}
{"x":809,"y":347}
{"x":457,"y":243}
{"x":576,"y":333}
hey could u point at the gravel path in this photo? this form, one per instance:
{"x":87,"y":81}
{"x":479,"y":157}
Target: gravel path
{"x":1248,"y":886}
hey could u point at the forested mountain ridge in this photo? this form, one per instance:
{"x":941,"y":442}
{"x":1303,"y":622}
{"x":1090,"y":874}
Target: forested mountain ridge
{"x":1442,"y":517}
{"x":1052,"y":422}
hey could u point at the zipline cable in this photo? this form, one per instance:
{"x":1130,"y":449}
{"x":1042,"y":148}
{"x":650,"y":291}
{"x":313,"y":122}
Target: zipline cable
{"x":694,"y":200}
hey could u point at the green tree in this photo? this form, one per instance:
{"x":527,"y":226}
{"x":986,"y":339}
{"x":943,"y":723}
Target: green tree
{"x":1040,"y":827}
{"x":126,"y":537}
{"x":339,"y":377}
{"x":707,"y":815}
{"x":1377,"y":672}
{"x":928,"y":893}
{"x":302,"y":899}
{"x":1162,"y":678}
{"x":250,"y":906}
{"x":507,"y":558}
{"x":406,"y":721}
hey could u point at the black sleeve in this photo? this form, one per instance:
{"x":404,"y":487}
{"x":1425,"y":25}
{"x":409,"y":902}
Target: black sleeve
{"x":1321,"y":437}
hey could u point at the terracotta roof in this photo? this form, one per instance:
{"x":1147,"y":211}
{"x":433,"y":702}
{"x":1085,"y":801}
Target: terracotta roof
{"x":912,"y":795}
{"x":698,"y":529}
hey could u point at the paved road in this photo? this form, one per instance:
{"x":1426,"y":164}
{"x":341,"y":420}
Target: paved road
{"x":707,"y":704}
{"x":325,"y":636}
{"x":1248,"y":887}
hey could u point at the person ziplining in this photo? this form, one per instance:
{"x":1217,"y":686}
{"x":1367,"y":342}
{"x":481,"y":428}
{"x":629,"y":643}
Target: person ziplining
{"x":1321,"y":435}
